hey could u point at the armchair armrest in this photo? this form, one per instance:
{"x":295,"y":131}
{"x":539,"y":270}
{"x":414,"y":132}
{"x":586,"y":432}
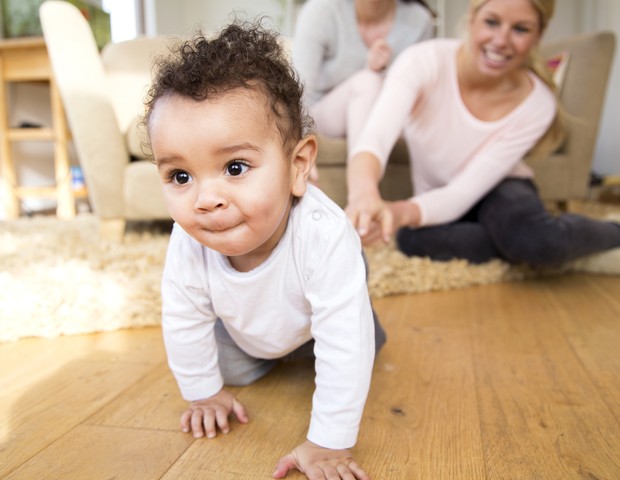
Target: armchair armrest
{"x":566,"y":173}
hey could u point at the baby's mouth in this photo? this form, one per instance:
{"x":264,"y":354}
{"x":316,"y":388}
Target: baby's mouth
{"x":219,"y":227}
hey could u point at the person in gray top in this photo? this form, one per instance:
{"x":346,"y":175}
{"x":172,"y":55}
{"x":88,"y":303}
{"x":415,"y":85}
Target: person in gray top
{"x":341,"y":49}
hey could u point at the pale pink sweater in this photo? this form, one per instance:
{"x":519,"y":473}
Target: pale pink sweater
{"x":456,"y":158}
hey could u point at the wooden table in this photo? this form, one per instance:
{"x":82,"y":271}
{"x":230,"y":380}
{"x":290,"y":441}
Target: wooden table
{"x":26,"y":60}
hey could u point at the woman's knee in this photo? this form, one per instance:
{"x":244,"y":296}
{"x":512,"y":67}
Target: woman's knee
{"x":520,"y":227}
{"x":366,"y":82}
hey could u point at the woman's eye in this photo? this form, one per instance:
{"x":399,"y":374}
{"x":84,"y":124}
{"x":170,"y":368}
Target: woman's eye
{"x":521,"y":29}
{"x":180,"y":177}
{"x":491,"y":22}
{"x":236,"y":168}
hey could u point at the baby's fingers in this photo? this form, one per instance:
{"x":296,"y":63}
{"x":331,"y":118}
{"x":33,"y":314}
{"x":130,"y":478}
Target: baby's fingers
{"x":186,"y":418}
{"x":207,"y":419}
{"x":221,"y":417}
{"x":358,"y":471}
{"x":240,"y":411}
{"x":198,"y":422}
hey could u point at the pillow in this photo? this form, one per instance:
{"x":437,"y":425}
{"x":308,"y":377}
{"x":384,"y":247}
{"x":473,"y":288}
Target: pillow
{"x":557,"y":65}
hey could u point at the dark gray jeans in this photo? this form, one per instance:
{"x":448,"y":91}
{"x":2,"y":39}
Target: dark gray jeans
{"x":511,"y":223}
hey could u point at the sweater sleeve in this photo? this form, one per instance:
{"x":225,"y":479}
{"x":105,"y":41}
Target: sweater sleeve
{"x":314,"y":28}
{"x":412,"y":71}
{"x":188,"y":320}
{"x":341,"y":324}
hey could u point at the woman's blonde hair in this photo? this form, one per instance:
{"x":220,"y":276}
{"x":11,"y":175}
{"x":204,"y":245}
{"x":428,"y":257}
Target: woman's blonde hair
{"x":554,"y":135}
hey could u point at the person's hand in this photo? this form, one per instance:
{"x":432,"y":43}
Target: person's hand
{"x":204,"y":417}
{"x":319,"y":463}
{"x":371,"y":216}
{"x":374,"y":235}
{"x":404,"y":214}
{"x":379,"y":55}
{"x":384,"y":218}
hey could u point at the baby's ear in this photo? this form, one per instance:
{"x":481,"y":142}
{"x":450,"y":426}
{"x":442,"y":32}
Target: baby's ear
{"x":304,"y":156}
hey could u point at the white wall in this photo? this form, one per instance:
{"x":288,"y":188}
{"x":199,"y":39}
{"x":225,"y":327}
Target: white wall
{"x":125,"y":22}
{"x":184,"y":17}
{"x":605,"y":15}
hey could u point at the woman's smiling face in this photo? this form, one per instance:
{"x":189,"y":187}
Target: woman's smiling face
{"x":502,"y":33}
{"x":227,"y":180}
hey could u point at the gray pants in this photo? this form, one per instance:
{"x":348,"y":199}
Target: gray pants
{"x":238,"y":368}
{"x":511,"y":223}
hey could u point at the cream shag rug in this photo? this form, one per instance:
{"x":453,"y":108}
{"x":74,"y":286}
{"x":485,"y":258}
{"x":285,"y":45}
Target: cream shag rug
{"x":61,"y":278}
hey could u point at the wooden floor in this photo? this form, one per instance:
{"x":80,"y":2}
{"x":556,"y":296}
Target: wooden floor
{"x":510,"y":381}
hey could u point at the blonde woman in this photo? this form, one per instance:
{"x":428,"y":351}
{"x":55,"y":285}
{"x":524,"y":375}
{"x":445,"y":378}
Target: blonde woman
{"x":470,"y":110}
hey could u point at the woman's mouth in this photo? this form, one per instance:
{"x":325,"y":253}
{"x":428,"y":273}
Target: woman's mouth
{"x":494,"y":57}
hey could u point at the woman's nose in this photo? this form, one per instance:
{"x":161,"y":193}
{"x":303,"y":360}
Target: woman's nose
{"x":501,"y":36}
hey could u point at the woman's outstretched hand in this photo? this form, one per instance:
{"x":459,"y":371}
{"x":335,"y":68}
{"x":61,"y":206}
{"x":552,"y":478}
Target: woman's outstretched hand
{"x":372,"y":218}
{"x":378,"y":220}
{"x":319,"y":463}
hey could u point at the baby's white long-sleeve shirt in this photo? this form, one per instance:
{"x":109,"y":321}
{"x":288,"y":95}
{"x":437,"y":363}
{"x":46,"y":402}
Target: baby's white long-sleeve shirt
{"x":312,"y":286}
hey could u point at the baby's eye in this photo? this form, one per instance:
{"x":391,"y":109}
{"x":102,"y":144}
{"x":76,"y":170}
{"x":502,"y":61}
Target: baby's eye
{"x":180,"y":177}
{"x":236,"y":168}
{"x":491,"y":22}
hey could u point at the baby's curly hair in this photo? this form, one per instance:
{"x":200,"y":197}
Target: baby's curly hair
{"x":243,"y":55}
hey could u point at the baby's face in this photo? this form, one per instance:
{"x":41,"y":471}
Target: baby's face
{"x":226,"y":178}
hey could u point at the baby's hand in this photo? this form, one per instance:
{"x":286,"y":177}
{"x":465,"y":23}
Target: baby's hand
{"x":319,"y":463}
{"x":203,"y":417}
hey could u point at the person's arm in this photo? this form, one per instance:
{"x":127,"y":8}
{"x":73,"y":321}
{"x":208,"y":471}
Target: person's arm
{"x":187,"y":325}
{"x":312,"y":32}
{"x":364,"y":203}
{"x":403,"y":87}
{"x":343,"y":331}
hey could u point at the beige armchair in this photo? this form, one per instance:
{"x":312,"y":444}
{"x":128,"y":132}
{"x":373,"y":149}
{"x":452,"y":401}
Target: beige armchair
{"x":103,"y":95}
{"x":565,"y":175}
{"x":562,"y":176}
